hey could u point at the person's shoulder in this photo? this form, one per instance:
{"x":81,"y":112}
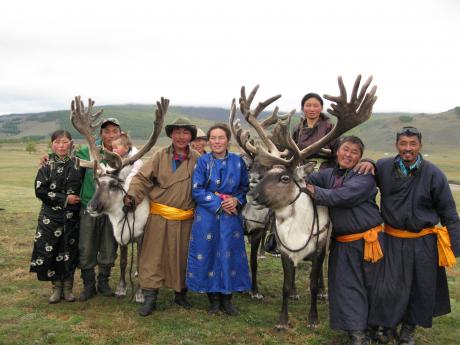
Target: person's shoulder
{"x":385,"y":161}
{"x":431,"y":167}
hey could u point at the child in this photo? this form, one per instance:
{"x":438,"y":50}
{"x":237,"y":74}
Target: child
{"x":55,"y":252}
{"x":124,"y":148}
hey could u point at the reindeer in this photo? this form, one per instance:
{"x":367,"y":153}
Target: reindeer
{"x":128,"y":227}
{"x":302,"y":228}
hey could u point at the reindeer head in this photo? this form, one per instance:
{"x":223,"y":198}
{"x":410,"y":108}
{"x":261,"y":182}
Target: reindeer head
{"x":109,"y":186}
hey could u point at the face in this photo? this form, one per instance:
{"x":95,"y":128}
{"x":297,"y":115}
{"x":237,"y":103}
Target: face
{"x":117,"y":147}
{"x":348,"y":155}
{"x":312,"y":108}
{"x":218,"y":141}
{"x":198,"y":145}
{"x":408,"y":148}
{"x":61,"y":146}
{"x":181,"y":138}
{"x":108,"y":134}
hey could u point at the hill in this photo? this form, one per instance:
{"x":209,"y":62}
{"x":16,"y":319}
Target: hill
{"x":440,"y":131}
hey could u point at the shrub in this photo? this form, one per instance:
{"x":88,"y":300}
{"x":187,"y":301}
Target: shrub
{"x":406,"y":118}
{"x":31,"y":146}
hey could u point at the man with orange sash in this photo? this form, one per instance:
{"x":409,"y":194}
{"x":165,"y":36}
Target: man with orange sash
{"x":356,"y":237}
{"x":415,"y":196}
{"x":167,"y":180}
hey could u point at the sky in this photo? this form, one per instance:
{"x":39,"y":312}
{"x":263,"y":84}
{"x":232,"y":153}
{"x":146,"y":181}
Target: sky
{"x":200,"y":52}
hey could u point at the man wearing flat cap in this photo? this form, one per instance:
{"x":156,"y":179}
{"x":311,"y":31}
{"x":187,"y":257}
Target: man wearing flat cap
{"x":97,"y":245}
{"x":167,"y":179}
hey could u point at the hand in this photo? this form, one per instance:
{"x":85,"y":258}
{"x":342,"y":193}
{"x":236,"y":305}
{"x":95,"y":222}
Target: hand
{"x":310,"y":190}
{"x":364,"y":167}
{"x":73,"y":199}
{"x":129,"y":203}
{"x":43,"y":160}
{"x":229,"y":205}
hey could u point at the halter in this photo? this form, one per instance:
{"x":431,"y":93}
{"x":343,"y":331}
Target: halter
{"x":315,"y":220}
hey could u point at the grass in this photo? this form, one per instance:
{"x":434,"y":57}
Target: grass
{"x":27,"y":318}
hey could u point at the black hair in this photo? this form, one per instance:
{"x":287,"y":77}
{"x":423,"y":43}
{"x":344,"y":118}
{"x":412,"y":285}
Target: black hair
{"x":354,"y":140}
{"x":222,"y":126}
{"x":59,"y":133}
{"x":409,"y":131}
{"x":311,"y":95}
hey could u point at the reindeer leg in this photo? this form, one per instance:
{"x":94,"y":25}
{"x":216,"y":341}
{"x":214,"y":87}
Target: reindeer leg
{"x":288,"y":271}
{"x":139,"y":297}
{"x":322,"y":292}
{"x":263,"y":235}
{"x":316,"y":269}
{"x":255,"y":240}
{"x":121,"y":288}
{"x":293,"y":294}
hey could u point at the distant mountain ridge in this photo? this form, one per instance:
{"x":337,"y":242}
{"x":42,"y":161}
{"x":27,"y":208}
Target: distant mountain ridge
{"x":439,"y":130}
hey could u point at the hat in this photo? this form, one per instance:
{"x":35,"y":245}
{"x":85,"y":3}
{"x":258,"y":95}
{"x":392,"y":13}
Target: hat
{"x":110,"y":120}
{"x":181,"y":122}
{"x":200,"y":134}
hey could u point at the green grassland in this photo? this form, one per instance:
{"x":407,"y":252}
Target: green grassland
{"x":27,"y":318}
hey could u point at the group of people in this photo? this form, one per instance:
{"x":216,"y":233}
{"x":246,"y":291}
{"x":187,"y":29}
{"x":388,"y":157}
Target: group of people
{"x":386,"y":267}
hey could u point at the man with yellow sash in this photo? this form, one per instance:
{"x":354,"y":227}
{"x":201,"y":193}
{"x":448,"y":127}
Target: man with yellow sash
{"x":167,"y":179}
{"x":415,"y":196}
{"x":356,"y":237}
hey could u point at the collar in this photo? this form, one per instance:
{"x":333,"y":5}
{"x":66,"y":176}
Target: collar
{"x":406,"y":171}
{"x":180,"y":157}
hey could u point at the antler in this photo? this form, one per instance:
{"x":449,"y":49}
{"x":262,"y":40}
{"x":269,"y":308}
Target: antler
{"x":349,"y":114}
{"x":116,"y":162}
{"x":85,"y":123}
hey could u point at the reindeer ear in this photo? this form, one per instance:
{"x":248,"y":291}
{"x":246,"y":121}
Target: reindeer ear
{"x":304,"y":170}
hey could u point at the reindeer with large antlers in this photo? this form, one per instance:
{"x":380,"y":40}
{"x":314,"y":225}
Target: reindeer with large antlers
{"x":302,"y":228}
{"x":110,"y":186}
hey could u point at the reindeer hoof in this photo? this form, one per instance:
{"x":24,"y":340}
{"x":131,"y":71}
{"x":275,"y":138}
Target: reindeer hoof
{"x":260,"y":257}
{"x":120,"y":292}
{"x":313,"y":324}
{"x":294,"y":297}
{"x":256,"y":296}
{"x":281,"y":328}
{"x":323,"y":296}
{"x":139,"y":297}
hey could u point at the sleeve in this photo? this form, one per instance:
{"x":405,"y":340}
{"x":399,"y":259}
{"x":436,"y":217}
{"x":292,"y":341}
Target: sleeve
{"x":446,"y":209}
{"x":200,"y":194}
{"x":43,"y":191}
{"x":143,"y":182}
{"x":74,"y":180}
{"x":354,"y":191}
{"x":295,"y":133}
{"x":318,"y":179}
{"x":244,"y":183}
{"x":137,"y":165}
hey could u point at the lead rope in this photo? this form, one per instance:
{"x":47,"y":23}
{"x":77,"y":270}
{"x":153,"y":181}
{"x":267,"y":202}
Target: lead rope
{"x":131,"y":240}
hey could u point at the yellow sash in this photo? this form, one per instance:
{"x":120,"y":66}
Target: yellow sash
{"x":372,"y":250}
{"x":170,"y":213}
{"x":445,"y":254}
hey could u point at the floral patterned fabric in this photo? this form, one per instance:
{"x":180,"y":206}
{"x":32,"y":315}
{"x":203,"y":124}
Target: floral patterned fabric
{"x":55,"y":252}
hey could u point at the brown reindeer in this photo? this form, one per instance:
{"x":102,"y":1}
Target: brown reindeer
{"x":128,"y":227}
{"x":302,"y":228}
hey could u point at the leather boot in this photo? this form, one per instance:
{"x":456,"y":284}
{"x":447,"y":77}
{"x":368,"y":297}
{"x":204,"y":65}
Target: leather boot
{"x":89,"y":284}
{"x":180,"y":299}
{"x":406,"y":334}
{"x":382,"y":335}
{"x":226,"y":305}
{"x":358,"y":338}
{"x":57,"y":292}
{"x":150,"y":302}
{"x":68,"y":286}
{"x":214,"y":303}
{"x":103,"y":286}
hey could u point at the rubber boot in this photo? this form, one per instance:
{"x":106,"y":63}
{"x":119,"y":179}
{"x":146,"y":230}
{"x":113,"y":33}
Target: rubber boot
{"x":68,"y":286}
{"x":226,"y":305}
{"x":181,"y":300}
{"x":150,"y":302}
{"x":358,"y":338}
{"x":406,"y":335}
{"x":57,"y":292}
{"x":89,"y":284}
{"x":214,"y":303}
{"x":103,"y":286}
